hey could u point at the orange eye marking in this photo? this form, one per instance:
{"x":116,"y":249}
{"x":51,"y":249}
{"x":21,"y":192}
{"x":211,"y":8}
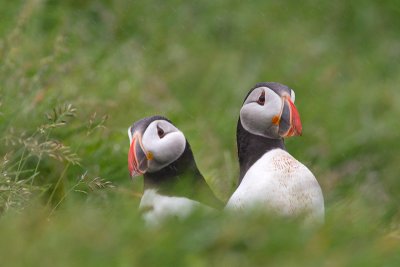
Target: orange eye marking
{"x":275,"y":120}
{"x":149,"y":156}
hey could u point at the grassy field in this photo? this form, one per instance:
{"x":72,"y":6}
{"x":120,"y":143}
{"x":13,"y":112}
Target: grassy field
{"x":75,"y":74}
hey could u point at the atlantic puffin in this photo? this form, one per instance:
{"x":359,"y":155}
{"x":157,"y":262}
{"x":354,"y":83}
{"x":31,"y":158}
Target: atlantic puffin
{"x":173,"y":185}
{"x":270,"y":178}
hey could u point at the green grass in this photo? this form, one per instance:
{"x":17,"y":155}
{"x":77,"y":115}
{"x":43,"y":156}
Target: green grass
{"x":75,"y":74}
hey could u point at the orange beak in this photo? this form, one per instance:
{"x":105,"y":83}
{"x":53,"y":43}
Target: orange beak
{"x":289,"y":124}
{"x":137,"y":159}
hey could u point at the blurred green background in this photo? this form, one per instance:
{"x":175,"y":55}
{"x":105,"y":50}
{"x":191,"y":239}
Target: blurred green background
{"x":74,"y":75}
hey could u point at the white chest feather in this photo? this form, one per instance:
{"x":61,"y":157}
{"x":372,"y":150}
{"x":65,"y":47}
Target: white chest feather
{"x":156,"y":207}
{"x":279,"y":183}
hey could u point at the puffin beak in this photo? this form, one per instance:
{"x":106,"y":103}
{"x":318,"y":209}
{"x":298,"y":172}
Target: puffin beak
{"x":289,"y":123}
{"x":137,"y":156}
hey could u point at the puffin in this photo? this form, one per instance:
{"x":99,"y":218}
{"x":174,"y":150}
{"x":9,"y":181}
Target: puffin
{"x":270,"y":178}
{"x":173,"y":185}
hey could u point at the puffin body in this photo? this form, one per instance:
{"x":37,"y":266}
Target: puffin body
{"x":281,"y":184}
{"x":173,"y":185}
{"x":155,"y":207}
{"x":270,"y":178}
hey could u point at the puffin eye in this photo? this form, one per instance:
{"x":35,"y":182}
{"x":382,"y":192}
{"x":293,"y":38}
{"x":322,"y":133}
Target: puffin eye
{"x":160,"y":132}
{"x":261,"y":99}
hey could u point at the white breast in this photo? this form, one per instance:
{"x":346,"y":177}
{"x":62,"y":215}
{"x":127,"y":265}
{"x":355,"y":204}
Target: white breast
{"x":156,"y":207}
{"x":279,"y":183}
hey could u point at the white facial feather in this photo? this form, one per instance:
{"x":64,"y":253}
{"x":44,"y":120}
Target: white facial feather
{"x":292,"y":96}
{"x":256,"y":118}
{"x":165,"y":149}
{"x":130,"y":135}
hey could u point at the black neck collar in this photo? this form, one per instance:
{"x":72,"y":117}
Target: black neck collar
{"x":182,"y":178}
{"x":251,"y":148}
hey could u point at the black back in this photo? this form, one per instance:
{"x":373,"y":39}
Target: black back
{"x":182,"y":178}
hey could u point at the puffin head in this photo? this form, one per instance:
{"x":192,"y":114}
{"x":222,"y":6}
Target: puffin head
{"x":154,"y":144}
{"x":269,"y":111}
